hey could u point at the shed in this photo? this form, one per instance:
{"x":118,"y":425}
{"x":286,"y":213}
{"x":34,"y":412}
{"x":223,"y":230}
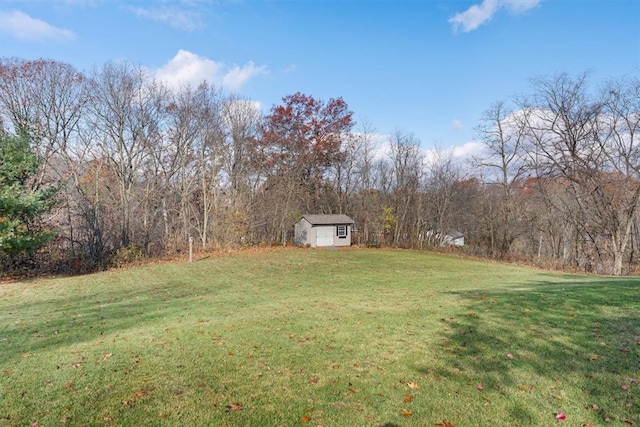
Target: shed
{"x":453,"y":238}
{"x":326,"y":230}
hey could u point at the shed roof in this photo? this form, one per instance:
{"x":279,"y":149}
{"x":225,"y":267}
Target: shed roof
{"x":454,"y":234}
{"x":328,"y":219}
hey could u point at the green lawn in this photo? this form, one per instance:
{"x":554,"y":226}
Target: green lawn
{"x":321,"y":337}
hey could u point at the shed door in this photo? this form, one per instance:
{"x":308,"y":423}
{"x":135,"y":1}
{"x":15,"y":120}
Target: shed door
{"x":324,"y":236}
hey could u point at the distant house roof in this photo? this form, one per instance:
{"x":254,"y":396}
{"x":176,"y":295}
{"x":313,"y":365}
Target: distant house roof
{"x":454,"y":234}
{"x":328,"y":219}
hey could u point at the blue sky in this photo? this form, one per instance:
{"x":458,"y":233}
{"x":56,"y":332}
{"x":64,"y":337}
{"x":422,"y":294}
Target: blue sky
{"x":426,"y":67}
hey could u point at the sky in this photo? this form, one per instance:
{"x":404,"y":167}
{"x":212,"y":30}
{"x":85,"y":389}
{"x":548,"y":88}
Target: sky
{"x":428,"y":68}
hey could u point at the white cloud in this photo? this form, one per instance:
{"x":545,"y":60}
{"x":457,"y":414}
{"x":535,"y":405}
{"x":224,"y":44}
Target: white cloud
{"x":459,"y":155}
{"x":479,"y":14}
{"x":467,"y":150}
{"x":177,"y":18}
{"x":520,"y":6}
{"x":290,"y":69}
{"x":457,"y":125}
{"x":237,"y":76}
{"x":19,"y":25}
{"x":188,"y":68}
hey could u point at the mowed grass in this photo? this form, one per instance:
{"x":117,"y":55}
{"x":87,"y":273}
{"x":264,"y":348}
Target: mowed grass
{"x":321,"y":337}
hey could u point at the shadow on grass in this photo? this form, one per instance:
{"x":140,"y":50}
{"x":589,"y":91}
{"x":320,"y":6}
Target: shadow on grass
{"x":65,"y":320}
{"x":580,"y":335}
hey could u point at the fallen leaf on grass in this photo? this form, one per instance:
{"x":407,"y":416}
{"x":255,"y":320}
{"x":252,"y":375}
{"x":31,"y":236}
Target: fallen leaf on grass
{"x":234,"y":407}
{"x":509,"y":356}
{"x":407,"y":398}
{"x":625,"y":387}
{"x":106,"y":356}
{"x":628,"y":421}
{"x":587,"y":425}
{"x":69,"y":385}
{"x":305,"y":419}
{"x":594,"y":357}
{"x":406,"y":413}
{"x":480,"y":387}
{"x":444,"y":423}
{"x":413,"y":386}
{"x":560,"y":416}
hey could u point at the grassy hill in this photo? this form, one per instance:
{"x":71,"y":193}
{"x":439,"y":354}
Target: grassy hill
{"x":321,"y":337}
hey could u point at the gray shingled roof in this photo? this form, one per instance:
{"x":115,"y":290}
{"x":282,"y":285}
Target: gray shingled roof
{"x":454,"y":234}
{"x":328,"y":219}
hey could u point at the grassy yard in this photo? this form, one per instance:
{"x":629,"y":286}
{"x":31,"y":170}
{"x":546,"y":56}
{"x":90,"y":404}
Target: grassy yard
{"x":321,"y":337}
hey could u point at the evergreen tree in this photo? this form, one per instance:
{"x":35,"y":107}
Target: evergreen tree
{"x":21,"y":207}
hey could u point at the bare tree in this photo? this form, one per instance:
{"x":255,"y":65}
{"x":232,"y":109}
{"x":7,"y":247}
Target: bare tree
{"x":120,"y":113}
{"x":210,"y":154}
{"x":586,"y":145}
{"x":442,"y":177}
{"x":364,"y":201}
{"x":618,"y":139}
{"x":502,"y":136}
{"x":241,"y":119}
{"x":407,"y":163}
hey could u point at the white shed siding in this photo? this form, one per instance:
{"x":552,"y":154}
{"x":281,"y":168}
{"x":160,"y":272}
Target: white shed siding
{"x":305,"y":234}
{"x":341,"y":241}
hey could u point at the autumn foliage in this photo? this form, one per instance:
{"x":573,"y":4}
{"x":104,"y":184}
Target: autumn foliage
{"x":304,"y":134}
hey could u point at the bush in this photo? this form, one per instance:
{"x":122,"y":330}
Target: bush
{"x":126,"y":255}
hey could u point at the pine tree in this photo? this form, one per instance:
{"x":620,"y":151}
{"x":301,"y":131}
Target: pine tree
{"x":21,"y":207}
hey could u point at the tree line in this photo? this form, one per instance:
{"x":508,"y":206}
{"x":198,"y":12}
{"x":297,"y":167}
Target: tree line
{"x":116,"y":165}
